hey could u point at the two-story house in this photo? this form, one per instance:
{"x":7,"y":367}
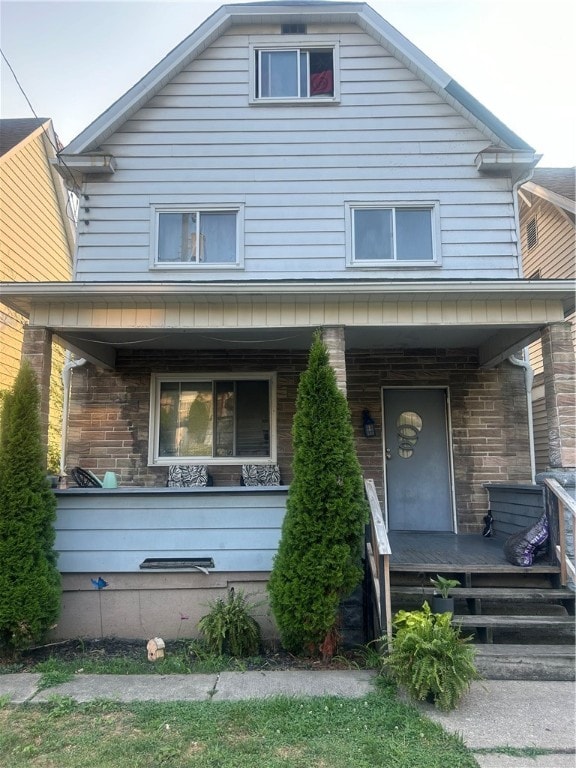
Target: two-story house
{"x":37,"y":243}
{"x":286,"y":168}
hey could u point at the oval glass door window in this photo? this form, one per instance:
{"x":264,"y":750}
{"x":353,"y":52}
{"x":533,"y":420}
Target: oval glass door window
{"x":408,"y":428}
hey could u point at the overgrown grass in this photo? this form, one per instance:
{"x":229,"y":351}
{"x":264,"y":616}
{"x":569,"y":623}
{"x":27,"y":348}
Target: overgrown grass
{"x":325,"y":732}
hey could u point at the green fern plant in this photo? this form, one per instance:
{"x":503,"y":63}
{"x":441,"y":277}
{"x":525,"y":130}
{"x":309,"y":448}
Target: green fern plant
{"x":229,"y":628}
{"x":430,"y":658}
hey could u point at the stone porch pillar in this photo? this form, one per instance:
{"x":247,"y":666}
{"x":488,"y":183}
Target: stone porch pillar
{"x":37,"y":350}
{"x":351,"y":608}
{"x":560,"y":393}
{"x":333,"y":338}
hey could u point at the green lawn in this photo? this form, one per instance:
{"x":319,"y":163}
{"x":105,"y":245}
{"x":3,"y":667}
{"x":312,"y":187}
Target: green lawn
{"x":293,"y":733}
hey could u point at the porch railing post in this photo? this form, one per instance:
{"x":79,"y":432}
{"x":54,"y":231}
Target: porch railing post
{"x":560,"y":503}
{"x":378,"y":549}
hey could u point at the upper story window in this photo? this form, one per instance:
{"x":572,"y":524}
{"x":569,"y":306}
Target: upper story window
{"x":300,"y":69}
{"x":196,"y":236}
{"x":387,"y":234}
{"x":213,"y":418}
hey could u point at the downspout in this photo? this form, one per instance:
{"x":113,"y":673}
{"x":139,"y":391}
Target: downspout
{"x":66,"y":378}
{"x":521,"y":362}
{"x":522,"y":179}
{"x":529,"y":380}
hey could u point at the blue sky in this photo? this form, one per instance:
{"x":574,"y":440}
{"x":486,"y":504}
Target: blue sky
{"x":75,"y":57}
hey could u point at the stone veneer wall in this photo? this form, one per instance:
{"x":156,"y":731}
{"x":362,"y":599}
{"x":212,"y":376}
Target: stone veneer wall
{"x":108,"y":426}
{"x":488,"y":412}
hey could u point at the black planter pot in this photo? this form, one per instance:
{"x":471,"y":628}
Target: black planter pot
{"x":442,"y":604}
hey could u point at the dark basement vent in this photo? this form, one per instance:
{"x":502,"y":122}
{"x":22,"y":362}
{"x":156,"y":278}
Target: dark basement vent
{"x":163,"y":563}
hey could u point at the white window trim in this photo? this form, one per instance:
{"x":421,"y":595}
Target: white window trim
{"x":157,"y":379}
{"x":373,"y":264}
{"x":156,"y":210}
{"x":292,"y":42}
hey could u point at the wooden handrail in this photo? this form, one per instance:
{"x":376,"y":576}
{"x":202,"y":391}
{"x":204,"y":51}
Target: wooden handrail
{"x":565,"y":503}
{"x":378,"y":553}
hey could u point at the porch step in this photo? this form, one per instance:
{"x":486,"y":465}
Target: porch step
{"x":525,"y":662}
{"x":486,"y":624}
{"x":492,"y":593}
{"x":495,"y":594}
{"x":480,"y":568}
{"x":512,"y":622}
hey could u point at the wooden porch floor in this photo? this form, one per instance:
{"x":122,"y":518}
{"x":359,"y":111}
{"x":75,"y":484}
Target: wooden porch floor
{"x":446,"y":552}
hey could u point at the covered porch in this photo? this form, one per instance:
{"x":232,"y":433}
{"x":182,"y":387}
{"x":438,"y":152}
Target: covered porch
{"x":457,"y":337}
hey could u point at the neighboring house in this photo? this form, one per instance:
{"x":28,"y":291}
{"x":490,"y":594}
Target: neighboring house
{"x":548,"y":239}
{"x":286,"y":168}
{"x":37,"y":235}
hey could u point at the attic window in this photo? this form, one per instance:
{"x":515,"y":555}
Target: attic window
{"x":531,"y":234}
{"x":283,"y":70}
{"x":296,"y":73}
{"x":293,"y":29}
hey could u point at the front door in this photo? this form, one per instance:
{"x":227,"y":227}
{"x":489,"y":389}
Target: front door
{"x":417,"y":460}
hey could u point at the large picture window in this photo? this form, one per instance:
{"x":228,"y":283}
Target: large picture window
{"x":389,"y":234}
{"x":214,"y":418}
{"x":192,"y":237}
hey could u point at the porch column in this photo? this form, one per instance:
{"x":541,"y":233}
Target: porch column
{"x":333,"y":338}
{"x":560,"y":394}
{"x":37,"y":349}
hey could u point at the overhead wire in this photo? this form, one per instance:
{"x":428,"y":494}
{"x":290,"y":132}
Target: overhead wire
{"x":56,"y":147}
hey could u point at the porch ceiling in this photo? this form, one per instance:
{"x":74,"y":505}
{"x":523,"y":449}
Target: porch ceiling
{"x":285,"y":338}
{"x":96,"y":319}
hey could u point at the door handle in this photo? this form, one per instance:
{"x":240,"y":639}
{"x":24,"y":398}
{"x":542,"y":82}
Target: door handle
{"x":388,"y":453}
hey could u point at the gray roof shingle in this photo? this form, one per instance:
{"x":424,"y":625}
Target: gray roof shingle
{"x":13,"y":131}
{"x":562,"y":181}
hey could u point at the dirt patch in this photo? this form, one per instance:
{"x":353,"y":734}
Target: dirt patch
{"x":109,"y":649}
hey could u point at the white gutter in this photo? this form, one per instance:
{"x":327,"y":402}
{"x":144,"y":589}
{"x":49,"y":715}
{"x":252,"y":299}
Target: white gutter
{"x":529,"y":380}
{"x":66,"y":377}
{"x":81,"y":290}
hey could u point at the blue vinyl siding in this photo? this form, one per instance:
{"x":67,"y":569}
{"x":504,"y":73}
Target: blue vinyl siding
{"x":114,"y":531}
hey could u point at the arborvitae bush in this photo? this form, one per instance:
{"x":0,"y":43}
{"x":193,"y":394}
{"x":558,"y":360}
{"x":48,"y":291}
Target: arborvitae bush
{"x":29,"y":579}
{"x":319,"y":556}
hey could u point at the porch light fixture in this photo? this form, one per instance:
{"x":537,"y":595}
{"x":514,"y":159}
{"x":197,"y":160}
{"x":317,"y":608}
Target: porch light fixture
{"x":368,"y":424}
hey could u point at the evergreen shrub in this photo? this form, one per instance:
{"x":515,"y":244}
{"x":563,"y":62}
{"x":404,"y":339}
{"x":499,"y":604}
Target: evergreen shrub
{"x":318,"y":562}
{"x":29,"y":579}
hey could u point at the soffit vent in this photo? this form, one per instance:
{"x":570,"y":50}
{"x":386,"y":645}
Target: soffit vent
{"x":293,"y":29}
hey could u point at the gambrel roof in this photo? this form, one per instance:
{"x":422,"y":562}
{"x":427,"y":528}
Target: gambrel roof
{"x":227,"y":16}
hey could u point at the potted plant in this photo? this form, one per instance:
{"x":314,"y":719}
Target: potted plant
{"x":430,"y":658}
{"x":442,"y":600}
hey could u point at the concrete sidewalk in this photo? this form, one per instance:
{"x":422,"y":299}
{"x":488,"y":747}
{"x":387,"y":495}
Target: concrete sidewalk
{"x":495,"y":714}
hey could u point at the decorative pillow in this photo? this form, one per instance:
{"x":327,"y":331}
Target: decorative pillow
{"x":524,"y":547}
{"x":187,"y":475}
{"x":260,"y":474}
